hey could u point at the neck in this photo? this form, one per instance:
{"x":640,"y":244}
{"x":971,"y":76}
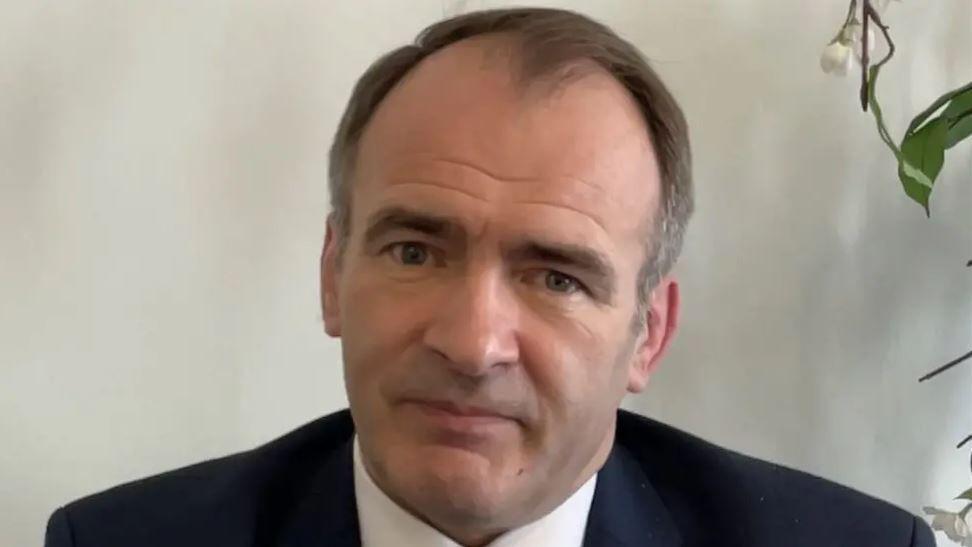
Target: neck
{"x":469,"y":531}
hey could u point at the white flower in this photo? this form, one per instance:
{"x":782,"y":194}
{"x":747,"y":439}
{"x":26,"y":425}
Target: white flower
{"x":837,"y":58}
{"x":954,"y":526}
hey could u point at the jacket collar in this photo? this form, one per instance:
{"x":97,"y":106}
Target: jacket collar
{"x":328,"y":515}
{"x":627,"y":510}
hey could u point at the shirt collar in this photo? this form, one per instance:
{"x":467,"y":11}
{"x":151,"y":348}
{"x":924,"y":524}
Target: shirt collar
{"x":384,"y":523}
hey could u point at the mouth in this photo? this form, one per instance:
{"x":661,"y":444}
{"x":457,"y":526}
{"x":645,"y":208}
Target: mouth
{"x":460,"y":418}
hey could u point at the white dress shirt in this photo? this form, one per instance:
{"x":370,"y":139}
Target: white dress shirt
{"x":384,"y":524}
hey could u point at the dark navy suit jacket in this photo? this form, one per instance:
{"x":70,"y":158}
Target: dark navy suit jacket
{"x":660,"y":487}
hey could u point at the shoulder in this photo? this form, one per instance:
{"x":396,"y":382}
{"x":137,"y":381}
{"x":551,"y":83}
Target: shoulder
{"x":755,"y":502}
{"x":218,"y":499}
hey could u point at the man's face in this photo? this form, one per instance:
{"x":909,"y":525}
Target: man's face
{"x":486,"y":295}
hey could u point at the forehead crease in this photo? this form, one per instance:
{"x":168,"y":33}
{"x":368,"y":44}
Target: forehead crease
{"x":421,"y":182}
{"x":596,"y":219}
{"x":453,"y":171}
{"x":482,"y":170}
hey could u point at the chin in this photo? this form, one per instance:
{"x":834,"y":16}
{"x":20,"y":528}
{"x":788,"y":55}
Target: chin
{"x":453,"y":484}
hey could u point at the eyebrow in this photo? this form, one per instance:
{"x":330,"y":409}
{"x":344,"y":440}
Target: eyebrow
{"x":592,"y":262}
{"x":579,"y":257}
{"x":403,"y":218}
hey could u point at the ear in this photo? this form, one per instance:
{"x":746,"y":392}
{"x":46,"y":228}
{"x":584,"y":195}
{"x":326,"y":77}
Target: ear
{"x":330,"y":277}
{"x":659,"y":330}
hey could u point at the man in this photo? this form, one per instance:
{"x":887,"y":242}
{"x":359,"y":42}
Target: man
{"x":509,"y":196}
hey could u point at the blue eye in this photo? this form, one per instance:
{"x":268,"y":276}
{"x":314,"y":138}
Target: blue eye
{"x":410,"y":253}
{"x":561,"y":282}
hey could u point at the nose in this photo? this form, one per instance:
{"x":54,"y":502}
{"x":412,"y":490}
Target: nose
{"x":475,"y":330}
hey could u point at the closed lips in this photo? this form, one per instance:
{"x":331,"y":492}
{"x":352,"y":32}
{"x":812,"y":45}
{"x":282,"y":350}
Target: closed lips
{"x":462,"y":410}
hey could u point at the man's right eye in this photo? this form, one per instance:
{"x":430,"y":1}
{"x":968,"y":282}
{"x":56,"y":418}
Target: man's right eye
{"x":409,"y":253}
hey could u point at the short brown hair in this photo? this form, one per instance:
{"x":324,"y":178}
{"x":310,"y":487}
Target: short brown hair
{"x":550,"y":42}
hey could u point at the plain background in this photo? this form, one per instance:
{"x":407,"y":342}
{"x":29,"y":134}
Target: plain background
{"x":162,"y":203}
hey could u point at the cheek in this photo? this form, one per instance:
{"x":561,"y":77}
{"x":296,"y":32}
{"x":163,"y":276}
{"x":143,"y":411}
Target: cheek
{"x":579,"y":383}
{"x":382,"y":329}
{"x":573,"y":367}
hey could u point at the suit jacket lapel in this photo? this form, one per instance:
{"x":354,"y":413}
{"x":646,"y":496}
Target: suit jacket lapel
{"x":626,"y":510}
{"x":329,"y":514}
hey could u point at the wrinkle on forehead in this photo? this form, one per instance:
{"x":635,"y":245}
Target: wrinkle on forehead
{"x":460,"y":124}
{"x":445,"y":186}
{"x":485,"y":186}
{"x":595,"y":218}
{"x":509,"y":177}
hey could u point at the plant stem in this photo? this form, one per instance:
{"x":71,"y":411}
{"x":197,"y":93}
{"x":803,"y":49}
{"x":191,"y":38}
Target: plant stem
{"x":850,"y":13}
{"x":945,"y":367}
{"x":865,"y":56}
{"x":879,"y":117}
{"x":869,"y":11}
{"x":965,"y":440}
{"x":867,"y":91}
{"x":870,"y":84}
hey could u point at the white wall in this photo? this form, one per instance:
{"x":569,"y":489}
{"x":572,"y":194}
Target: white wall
{"x":162,"y":197}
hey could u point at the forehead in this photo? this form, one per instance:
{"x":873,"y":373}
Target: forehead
{"x":461,"y":121}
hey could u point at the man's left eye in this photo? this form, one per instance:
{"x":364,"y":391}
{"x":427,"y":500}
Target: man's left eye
{"x":561,"y":282}
{"x":410,"y":253}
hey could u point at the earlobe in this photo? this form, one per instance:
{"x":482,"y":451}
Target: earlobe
{"x":661,"y":323}
{"x":329,"y":280}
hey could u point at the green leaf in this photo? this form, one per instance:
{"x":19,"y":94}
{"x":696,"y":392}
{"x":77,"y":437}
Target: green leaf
{"x":920,"y":160}
{"x":960,"y":129}
{"x":925,"y":149}
{"x":925,"y":114}
{"x":960,"y":105}
{"x":916,"y":184}
{"x":967,"y":495}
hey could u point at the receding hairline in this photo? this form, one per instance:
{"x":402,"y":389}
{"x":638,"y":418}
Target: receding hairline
{"x":502,"y":52}
{"x":510,"y":50}
{"x":532,"y":81}
{"x":551,"y":48}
